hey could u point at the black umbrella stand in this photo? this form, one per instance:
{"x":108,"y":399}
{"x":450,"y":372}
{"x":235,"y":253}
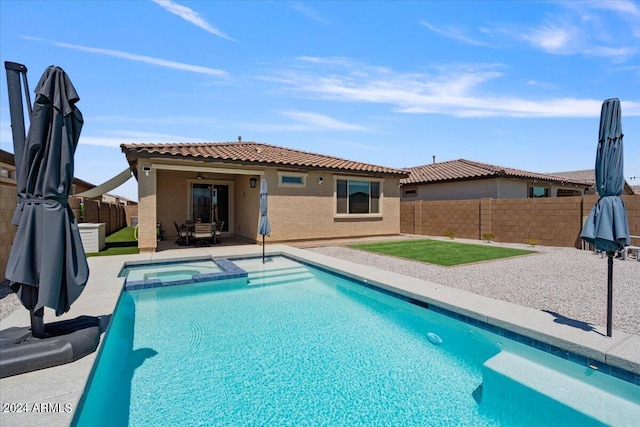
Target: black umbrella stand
{"x":25,"y":349}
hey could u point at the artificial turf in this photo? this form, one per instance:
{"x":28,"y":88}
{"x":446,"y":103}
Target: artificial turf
{"x":440,"y":252}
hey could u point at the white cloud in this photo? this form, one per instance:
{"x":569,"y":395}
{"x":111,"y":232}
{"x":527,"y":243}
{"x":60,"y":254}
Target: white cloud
{"x":455,"y":33}
{"x":308,"y":11}
{"x":316,"y":120}
{"x":116,"y":137}
{"x":551,"y":38}
{"x":134,"y":57}
{"x":453,"y":89}
{"x":191,"y":16}
{"x":624,"y":7}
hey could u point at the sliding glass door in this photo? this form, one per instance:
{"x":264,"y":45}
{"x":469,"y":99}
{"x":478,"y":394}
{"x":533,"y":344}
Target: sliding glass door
{"x":210,"y":203}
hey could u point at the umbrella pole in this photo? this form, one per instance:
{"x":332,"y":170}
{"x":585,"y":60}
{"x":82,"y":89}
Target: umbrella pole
{"x":609,"y":292}
{"x":37,"y":323}
{"x":263,"y":248}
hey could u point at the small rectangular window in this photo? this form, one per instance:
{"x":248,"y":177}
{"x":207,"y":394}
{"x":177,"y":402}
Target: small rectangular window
{"x":535,"y":192}
{"x":409,"y":192}
{"x":292,"y":179}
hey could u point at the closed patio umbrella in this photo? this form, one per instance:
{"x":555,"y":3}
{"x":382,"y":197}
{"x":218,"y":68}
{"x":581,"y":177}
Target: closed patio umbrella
{"x":264,"y":227}
{"x":607,"y":228}
{"x":47,"y":266}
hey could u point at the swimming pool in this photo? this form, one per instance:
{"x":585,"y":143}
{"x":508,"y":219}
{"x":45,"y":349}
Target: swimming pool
{"x":298,"y":345}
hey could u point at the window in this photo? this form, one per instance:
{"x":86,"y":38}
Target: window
{"x":535,"y":192}
{"x":357,"y":197}
{"x":292,"y":179}
{"x":410,"y":193}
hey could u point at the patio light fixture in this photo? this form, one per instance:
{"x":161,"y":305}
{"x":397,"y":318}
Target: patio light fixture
{"x":199,"y":175}
{"x":253,"y":181}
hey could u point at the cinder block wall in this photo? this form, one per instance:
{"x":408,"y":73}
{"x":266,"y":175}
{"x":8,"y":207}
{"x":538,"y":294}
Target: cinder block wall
{"x":552,"y":221}
{"x":8,"y":200}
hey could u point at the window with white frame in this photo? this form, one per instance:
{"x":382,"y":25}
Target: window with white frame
{"x":292,"y":179}
{"x":358,"y":196}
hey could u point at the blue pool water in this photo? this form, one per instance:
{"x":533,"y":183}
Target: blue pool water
{"x":301,"y":346}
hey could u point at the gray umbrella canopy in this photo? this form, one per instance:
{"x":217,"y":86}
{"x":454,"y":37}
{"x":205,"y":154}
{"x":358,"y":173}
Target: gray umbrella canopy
{"x":264,"y":227}
{"x":47,"y":266}
{"x":607,"y":227}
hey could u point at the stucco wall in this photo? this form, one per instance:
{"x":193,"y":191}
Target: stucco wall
{"x":295,"y":213}
{"x":309,"y":213}
{"x":147,"y":239}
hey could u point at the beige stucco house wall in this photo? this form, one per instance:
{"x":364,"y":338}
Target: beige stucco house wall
{"x":296,"y":212}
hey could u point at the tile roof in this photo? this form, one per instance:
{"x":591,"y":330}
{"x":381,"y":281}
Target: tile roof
{"x":462,"y":170}
{"x":585,"y":175}
{"x":253,"y":153}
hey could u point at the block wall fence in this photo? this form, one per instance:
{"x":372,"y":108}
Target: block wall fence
{"x":553,"y":221}
{"x":115,"y":217}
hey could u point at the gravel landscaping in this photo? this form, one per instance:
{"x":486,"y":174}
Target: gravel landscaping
{"x":568,"y":282}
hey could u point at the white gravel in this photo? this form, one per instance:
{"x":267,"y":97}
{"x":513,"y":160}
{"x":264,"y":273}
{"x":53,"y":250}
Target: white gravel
{"x":566,"y":281}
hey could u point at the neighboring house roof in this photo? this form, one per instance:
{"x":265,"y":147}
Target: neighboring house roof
{"x":253,"y":153}
{"x":589,"y":175}
{"x":635,"y":189}
{"x":585,"y":175}
{"x":463,"y":170}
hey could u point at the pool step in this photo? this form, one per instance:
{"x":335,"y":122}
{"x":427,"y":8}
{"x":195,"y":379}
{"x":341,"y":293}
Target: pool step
{"x":278,"y":277}
{"x":568,"y":392}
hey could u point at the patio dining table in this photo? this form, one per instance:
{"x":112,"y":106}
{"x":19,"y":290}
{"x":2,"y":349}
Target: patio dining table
{"x":191,"y":228}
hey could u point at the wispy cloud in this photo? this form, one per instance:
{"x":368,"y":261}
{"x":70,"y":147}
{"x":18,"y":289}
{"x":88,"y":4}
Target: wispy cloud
{"x":451,"y":89}
{"x":321,"y":121}
{"x":134,"y":57}
{"x":114,"y":138}
{"x":453,"y":32}
{"x":625,"y":7}
{"x":191,"y":16}
{"x":552,"y":38}
{"x":302,"y":121}
{"x":589,"y":28}
{"x":309,"y":12}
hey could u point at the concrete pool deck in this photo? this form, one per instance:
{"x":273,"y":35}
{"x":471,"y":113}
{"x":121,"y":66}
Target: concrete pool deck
{"x":56,"y":387}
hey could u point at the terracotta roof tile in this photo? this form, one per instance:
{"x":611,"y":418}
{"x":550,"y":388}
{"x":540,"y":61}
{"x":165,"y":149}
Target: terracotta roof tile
{"x":254,"y":153}
{"x":461,"y":169}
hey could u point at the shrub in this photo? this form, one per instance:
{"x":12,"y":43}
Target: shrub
{"x":532,"y":241}
{"x":450,"y":234}
{"x":488,"y":237}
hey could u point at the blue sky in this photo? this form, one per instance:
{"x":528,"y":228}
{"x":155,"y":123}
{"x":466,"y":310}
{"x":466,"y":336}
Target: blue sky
{"x":511,"y":83}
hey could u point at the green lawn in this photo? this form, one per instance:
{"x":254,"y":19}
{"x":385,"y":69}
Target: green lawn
{"x":122,"y":236}
{"x":440,"y":252}
{"x":121,"y":242}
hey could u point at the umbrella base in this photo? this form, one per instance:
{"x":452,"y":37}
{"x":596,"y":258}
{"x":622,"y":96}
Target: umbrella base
{"x":67,"y":341}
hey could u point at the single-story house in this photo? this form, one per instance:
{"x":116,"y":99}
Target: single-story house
{"x":311,"y":196}
{"x":590,"y":176}
{"x":465,"y":179}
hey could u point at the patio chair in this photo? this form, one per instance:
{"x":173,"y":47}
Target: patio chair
{"x":183,"y":234}
{"x":203,"y":232}
{"x":218,"y":231}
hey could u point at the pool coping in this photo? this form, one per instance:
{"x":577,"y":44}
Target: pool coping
{"x":61,"y":385}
